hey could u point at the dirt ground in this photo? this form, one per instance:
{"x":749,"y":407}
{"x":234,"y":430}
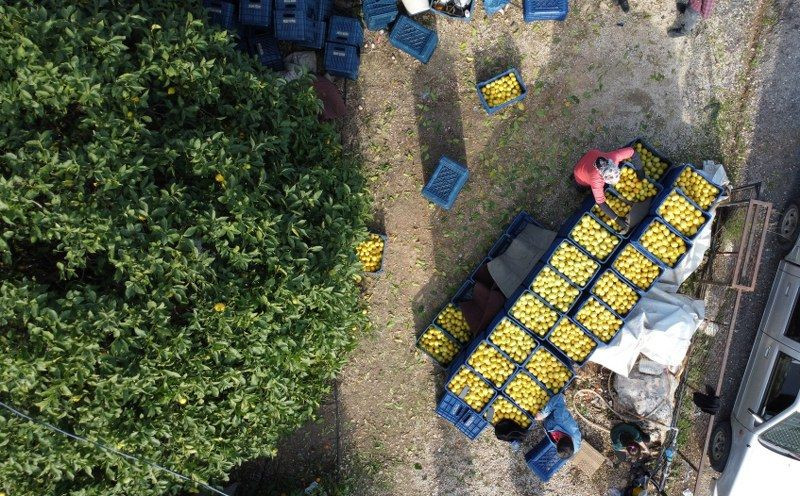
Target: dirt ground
{"x":599,"y":79}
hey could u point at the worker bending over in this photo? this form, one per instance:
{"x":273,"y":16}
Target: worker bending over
{"x":561,"y":428}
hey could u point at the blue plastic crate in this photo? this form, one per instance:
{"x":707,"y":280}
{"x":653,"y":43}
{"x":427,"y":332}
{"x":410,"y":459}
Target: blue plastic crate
{"x":221,"y":13}
{"x":265,"y":48}
{"x":654,"y":210}
{"x":341,"y":60}
{"x":379,"y":17}
{"x":543,"y":459}
{"x":319,"y":10}
{"x":566,"y":231}
{"x":538,"y":268}
{"x":671,"y":180}
{"x":558,"y":356}
{"x":516,"y":296}
{"x":557,"y":243}
{"x":474,"y":344}
{"x":519,"y":223}
{"x":290,"y":25}
{"x":636,"y":236}
{"x":657,"y":185}
{"x":521,"y":371}
{"x":545,"y":10}
{"x":414,"y":38}
{"x":446,"y":335}
{"x":639,"y":292}
{"x":655,"y":152}
{"x":345,"y":30}
{"x":646,"y":255}
{"x":458,"y":413}
{"x":315,"y":34}
{"x":446,"y":182}
{"x":466,"y":14}
{"x":490,"y":407}
{"x":589,"y":203}
{"x":493,"y":110}
{"x":255,"y":12}
{"x":455,"y":367}
{"x":494,"y":6}
{"x":561,"y":353}
{"x":500,"y":318}
{"x":299,"y":5}
{"x":583,"y":301}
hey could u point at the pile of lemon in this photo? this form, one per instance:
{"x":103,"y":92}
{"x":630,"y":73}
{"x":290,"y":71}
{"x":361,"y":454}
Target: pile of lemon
{"x":550,"y":372}
{"x":534,"y":314}
{"x":619,"y":207}
{"x":370,"y":253}
{"x":568,"y":338}
{"x":512,"y":339}
{"x":556,"y":290}
{"x":504,"y":410}
{"x":663,"y":243}
{"x":489,"y":363}
{"x":502,"y":90}
{"x":439,"y":346}
{"x":599,"y":320}
{"x":573,"y":263}
{"x":615,"y":293}
{"x":452,"y":320}
{"x":681,"y":214}
{"x":636,"y":268}
{"x":479,"y":392}
{"x":653,"y":166}
{"x":593,"y":237}
{"x":697,"y":188}
{"x":526,"y":393}
{"x":632,"y":188}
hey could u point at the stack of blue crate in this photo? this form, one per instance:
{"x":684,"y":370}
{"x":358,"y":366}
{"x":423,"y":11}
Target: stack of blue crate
{"x":345,"y":37}
{"x":378,"y":14}
{"x":302,"y":21}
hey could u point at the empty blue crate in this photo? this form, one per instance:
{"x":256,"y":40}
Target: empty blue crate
{"x":543,"y":459}
{"x":345,"y":30}
{"x":319,"y":10}
{"x":378,"y":14}
{"x":221,"y":13}
{"x":290,"y":25}
{"x":545,"y":10}
{"x":255,"y":12}
{"x":460,"y":415}
{"x":341,"y":60}
{"x":445,"y":183}
{"x":265,"y":48}
{"x":414,"y":39}
{"x":315,"y":34}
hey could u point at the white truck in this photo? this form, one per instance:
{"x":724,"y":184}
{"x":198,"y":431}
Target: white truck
{"x":758,"y":450}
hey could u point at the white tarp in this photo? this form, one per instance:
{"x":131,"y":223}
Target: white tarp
{"x":663,"y":323}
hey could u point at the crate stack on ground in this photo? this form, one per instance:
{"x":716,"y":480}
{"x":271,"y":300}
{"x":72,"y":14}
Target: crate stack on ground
{"x":378,"y":14}
{"x":343,"y":46}
{"x":575,"y":300}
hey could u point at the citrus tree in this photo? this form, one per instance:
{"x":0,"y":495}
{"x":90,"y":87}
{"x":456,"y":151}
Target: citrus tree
{"x":176,"y":248}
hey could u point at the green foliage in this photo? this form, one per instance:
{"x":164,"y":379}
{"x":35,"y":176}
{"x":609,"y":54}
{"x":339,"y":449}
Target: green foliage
{"x":148,"y":173}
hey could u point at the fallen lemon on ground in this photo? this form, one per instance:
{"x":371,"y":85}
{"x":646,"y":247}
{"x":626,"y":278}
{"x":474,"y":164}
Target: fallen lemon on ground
{"x":534,"y":314}
{"x":370,"y":253}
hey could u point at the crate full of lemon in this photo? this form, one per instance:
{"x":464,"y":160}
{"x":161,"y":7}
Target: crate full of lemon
{"x":698,"y":188}
{"x":370,"y":253}
{"x":654,"y":165}
{"x":439,"y":345}
{"x":501,"y":91}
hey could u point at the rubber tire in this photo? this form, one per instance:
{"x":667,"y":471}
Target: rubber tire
{"x":719,"y":448}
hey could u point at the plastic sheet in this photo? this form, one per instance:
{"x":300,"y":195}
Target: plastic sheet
{"x":494,"y":6}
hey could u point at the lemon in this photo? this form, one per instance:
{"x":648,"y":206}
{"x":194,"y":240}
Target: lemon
{"x":569,"y":338}
{"x":654,"y":167}
{"x":681,"y":214}
{"x":489,"y":363}
{"x":599,"y":320}
{"x":452,"y":320}
{"x":526,"y":393}
{"x":505,"y":410}
{"x":479,"y":392}
{"x":593,"y":237}
{"x":615,"y":293}
{"x":501,"y":90}
{"x":618,"y":206}
{"x":555,"y":290}
{"x":370,"y":253}
{"x":573,"y":263}
{"x":512,"y":339}
{"x":636,"y":268}
{"x":438,"y":345}
{"x":632,"y":188}
{"x":534,"y":314}
{"x":549,"y":370}
{"x":697,"y":188}
{"x":663,"y":243}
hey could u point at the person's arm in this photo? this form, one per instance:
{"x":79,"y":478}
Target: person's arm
{"x":622,"y":154}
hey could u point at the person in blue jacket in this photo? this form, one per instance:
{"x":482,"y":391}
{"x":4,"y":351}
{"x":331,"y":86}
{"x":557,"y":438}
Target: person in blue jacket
{"x":560,"y":426}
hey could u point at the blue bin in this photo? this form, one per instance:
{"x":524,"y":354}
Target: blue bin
{"x":458,"y":413}
{"x":671,"y":180}
{"x":545,"y":10}
{"x":446,"y":335}
{"x":658,"y":186}
{"x":466,"y":16}
{"x":516,"y":296}
{"x":414,"y":39}
{"x":548,"y":255}
{"x":345,"y":30}
{"x":378,"y":16}
{"x":637,"y":233}
{"x":589,"y":203}
{"x":543,"y":459}
{"x":522,"y":371}
{"x":539,"y":267}
{"x":566,"y":230}
{"x":474,"y":344}
{"x":593,"y":282}
{"x":655,"y":152}
{"x":558,"y":356}
{"x":455,"y":367}
{"x":265,"y":48}
{"x":315,"y":34}
{"x":561,"y":354}
{"x":491,"y":328}
{"x":446,"y":182}
{"x":341,"y":60}
{"x":319,"y":10}
{"x":663,"y":196}
{"x":493,"y":110}
{"x":584,"y":300}
{"x":494,"y":6}
{"x":290,"y":25}
{"x":255,"y":12}
{"x":505,"y":397}
{"x":646,"y":255}
{"x":297,"y":5}
{"x":220,"y":13}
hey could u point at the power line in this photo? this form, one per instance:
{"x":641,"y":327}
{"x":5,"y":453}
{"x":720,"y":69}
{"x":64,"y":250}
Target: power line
{"x":102,"y":446}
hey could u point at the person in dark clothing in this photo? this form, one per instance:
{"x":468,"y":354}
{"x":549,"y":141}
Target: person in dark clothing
{"x":560,"y":426}
{"x":690,"y":13}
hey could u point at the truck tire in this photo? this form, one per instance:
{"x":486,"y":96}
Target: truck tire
{"x":720,"y":445}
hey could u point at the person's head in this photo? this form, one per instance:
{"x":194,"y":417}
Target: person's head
{"x":631,"y":446}
{"x":608,"y":170}
{"x":564,"y":447}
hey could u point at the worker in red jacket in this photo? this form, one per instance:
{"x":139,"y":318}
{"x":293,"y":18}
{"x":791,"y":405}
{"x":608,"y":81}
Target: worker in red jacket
{"x":596,"y":169}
